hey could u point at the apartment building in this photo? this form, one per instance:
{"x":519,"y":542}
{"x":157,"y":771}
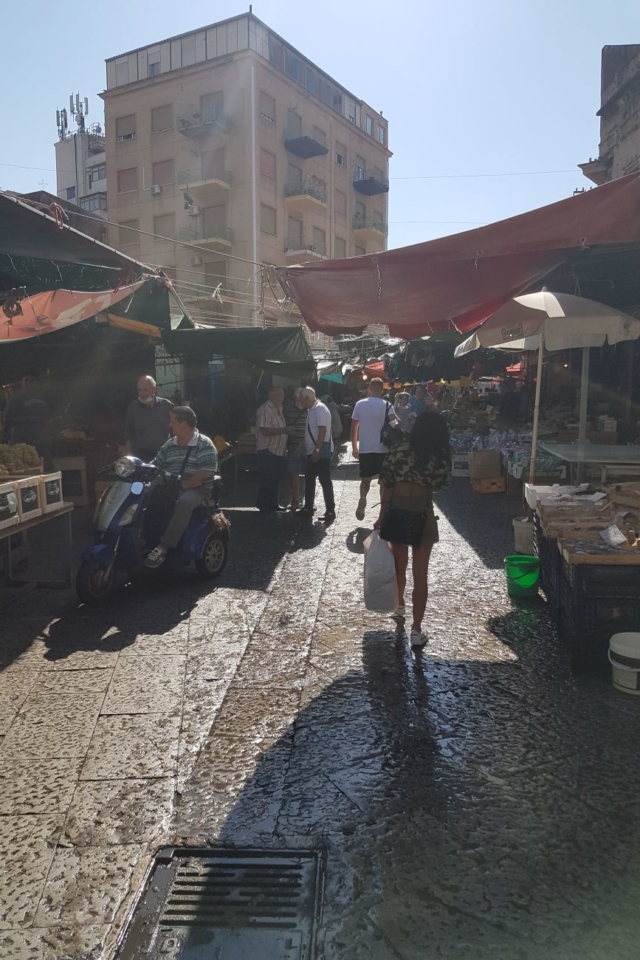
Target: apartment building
{"x":81,"y":171}
{"x":229,"y":141}
{"x":619,"y":151}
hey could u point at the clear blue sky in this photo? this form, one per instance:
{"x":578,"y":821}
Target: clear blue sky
{"x":497,"y":87}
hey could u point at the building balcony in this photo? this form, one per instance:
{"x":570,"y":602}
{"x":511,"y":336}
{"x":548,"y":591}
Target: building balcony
{"x":299,"y":250}
{"x":210,"y":186}
{"x":370,"y":182}
{"x":306,"y":143}
{"x":598,"y":170}
{"x":96,"y":143}
{"x":196,"y":126}
{"x":208,"y":235}
{"x":306,"y":195}
{"x":367,"y":228}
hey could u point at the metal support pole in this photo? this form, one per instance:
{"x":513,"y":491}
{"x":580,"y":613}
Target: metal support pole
{"x":536,"y":413}
{"x":584,"y":399}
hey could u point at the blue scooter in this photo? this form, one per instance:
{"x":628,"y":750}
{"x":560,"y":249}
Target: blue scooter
{"x":130,"y":518}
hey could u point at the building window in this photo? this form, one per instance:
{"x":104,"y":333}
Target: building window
{"x":294,"y":125}
{"x":294,"y":233}
{"x":212,"y":105}
{"x":378,"y":219}
{"x":214,"y":221}
{"x":360,"y":212}
{"x":340,"y":248}
{"x":360,"y":251}
{"x":341,"y":203}
{"x":319,"y":240}
{"x":154,"y":68}
{"x":128,"y":180}
{"x":128,"y":232}
{"x":162,"y":172}
{"x":267,"y":107}
{"x":378,"y":173}
{"x":380,"y":133}
{"x":351,"y":110}
{"x":294,"y":176}
{"x":276,"y":52}
{"x":292,"y":66}
{"x":368,"y":125}
{"x":268,"y":164}
{"x":213,"y":164}
{"x":165,"y":226}
{"x":341,"y":154}
{"x":360,"y":168}
{"x":268,"y":220}
{"x":162,"y":118}
{"x":313,"y":82}
{"x":99,"y":172}
{"x":319,"y":135}
{"x":126,"y":127}
{"x":71,"y":193}
{"x":93,"y":202}
{"x":188,"y":49}
{"x":122,"y":72}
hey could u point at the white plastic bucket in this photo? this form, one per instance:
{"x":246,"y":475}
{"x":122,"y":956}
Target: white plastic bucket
{"x":624,"y":656}
{"x":523,"y":535}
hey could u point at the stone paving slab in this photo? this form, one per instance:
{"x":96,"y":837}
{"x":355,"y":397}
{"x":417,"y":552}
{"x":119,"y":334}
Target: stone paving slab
{"x":52,"y":725}
{"x":132,"y":747}
{"x":146,"y":684}
{"x":41,"y":787}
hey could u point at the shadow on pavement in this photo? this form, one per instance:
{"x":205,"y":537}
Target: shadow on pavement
{"x":466,"y":806}
{"x":477,"y":516}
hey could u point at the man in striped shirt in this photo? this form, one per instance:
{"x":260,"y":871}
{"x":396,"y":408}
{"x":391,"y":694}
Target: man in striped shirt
{"x":193,"y":457}
{"x":272,"y":435}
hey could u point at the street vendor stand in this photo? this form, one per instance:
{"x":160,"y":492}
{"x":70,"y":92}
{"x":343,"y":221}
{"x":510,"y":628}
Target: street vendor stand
{"x":64,"y":556}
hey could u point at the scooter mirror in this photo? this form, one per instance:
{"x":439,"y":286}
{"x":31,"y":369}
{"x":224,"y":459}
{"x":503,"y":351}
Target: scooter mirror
{"x":137,"y":488}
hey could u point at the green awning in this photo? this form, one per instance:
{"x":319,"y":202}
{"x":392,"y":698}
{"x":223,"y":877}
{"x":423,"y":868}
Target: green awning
{"x":279,"y":350}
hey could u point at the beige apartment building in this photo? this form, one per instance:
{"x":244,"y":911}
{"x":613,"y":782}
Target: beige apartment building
{"x":229,"y":141}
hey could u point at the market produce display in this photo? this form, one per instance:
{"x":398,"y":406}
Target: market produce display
{"x":19,"y":458}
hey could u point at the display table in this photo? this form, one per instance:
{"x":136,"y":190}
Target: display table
{"x":65,"y":556}
{"x":605,"y":455}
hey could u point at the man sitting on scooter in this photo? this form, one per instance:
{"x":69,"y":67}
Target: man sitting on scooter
{"x":193,"y":457}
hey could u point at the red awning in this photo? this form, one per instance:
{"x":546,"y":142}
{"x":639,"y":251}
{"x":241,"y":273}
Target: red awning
{"x":456,"y":282}
{"x":55,"y":309}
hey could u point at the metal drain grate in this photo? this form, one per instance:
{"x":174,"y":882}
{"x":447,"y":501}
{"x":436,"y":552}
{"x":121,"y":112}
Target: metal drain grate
{"x":227,"y":905}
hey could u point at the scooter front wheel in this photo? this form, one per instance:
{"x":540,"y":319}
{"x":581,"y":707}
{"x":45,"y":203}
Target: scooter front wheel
{"x":95,"y":581}
{"x":213,"y":556}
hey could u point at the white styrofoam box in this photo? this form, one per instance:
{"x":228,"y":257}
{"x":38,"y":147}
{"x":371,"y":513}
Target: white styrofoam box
{"x":29,"y":500}
{"x":460,"y":465}
{"x":9,"y":515}
{"x":51,"y":491}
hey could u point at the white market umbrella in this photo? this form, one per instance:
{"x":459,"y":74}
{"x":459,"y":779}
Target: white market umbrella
{"x":555,"y":321}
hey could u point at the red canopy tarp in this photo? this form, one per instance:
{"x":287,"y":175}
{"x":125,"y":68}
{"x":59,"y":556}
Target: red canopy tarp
{"x":55,"y":309}
{"x":457,"y":282}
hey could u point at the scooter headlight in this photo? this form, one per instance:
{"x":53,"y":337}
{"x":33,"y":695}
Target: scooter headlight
{"x":125,"y":466}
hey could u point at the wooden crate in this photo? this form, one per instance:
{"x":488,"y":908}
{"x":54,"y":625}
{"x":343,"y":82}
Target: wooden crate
{"x":490,"y":485}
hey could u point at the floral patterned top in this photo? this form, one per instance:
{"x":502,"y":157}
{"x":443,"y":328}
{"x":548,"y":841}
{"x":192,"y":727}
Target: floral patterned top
{"x":401,"y":464}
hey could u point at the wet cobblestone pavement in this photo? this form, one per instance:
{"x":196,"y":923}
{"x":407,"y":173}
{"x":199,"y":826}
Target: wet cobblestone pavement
{"x":477,"y":803}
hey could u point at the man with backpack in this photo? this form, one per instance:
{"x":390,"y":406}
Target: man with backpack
{"x":368,"y":420}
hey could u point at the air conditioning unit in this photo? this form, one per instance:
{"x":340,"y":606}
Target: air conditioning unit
{"x":155,"y":189}
{"x":196,"y":261}
{"x":193,"y":211}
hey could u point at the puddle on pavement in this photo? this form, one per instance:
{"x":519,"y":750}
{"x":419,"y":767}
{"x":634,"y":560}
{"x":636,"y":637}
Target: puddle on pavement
{"x":217,"y":904}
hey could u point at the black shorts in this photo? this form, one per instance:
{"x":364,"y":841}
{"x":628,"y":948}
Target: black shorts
{"x":370,"y":464}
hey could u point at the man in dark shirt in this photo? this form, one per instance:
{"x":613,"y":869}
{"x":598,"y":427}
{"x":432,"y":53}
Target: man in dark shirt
{"x":146,"y":425}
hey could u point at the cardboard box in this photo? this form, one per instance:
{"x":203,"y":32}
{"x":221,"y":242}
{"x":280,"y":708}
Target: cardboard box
{"x":29,"y":499}
{"x":9,"y":515}
{"x":485,"y":464}
{"x":490,"y":485}
{"x":460,"y":465}
{"x":51,"y":491}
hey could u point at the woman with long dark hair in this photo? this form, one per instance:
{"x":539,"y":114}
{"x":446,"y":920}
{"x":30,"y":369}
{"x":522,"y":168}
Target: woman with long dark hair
{"x":412,"y":471}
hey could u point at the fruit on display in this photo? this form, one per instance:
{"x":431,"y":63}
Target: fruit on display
{"x":19,"y":458}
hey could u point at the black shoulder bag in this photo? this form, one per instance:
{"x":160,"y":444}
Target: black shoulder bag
{"x":389,"y":436}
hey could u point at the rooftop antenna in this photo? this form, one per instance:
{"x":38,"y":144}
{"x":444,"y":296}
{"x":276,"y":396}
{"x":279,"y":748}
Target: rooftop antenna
{"x":62,"y":122}
{"x":79,"y":109}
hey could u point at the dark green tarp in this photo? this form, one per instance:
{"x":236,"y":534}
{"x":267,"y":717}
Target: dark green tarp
{"x":279,"y":350}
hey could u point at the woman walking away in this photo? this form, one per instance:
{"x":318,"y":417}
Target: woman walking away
{"x":412,"y":471}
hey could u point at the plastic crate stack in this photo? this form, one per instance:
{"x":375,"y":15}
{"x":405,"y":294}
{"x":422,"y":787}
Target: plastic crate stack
{"x":550,"y":563}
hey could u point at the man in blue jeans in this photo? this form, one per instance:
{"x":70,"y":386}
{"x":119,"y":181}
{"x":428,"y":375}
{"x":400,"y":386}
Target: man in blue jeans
{"x":272,"y":434}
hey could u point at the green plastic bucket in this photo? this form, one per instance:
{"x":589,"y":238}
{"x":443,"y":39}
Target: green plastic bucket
{"x":523,"y":575}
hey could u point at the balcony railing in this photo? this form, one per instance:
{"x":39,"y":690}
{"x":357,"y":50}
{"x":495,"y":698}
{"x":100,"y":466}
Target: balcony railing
{"x":306,"y":142}
{"x":370,"y":182}
{"x":369,"y":223}
{"x":307,"y":188}
{"x":192,"y":178}
{"x":300,"y":245}
{"x":206,"y":232}
{"x":201,"y":124}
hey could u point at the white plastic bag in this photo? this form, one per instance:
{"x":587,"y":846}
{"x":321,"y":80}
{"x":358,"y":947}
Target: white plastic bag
{"x":380,"y":585}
